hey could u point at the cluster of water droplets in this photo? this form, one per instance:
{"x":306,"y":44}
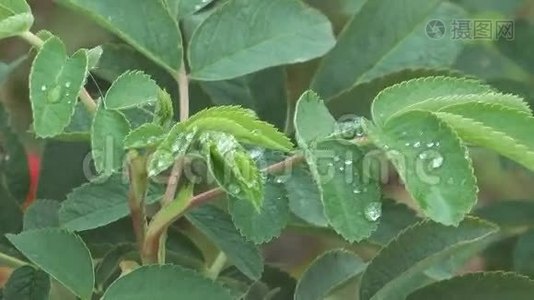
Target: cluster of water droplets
{"x":57,"y":92}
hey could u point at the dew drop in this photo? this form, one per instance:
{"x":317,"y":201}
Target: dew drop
{"x":54,"y":95}
{"x":336,"y":158}
{"x":373,"y":211}
{"x":423,"y":155}
{"x":430,"y":145}
{"x":43,"y":88}
{"x":198,"y":7}
{"x":407,"y":144}
{"x":341,"y":169}
{"x":67,"y":84}
{"x":356,"y":191}
{"x":281,"y":179}
{"x":234,"y":189}
{"x":417,"y":145}
{"x":348,"y":162}
{"x":437,"y":162}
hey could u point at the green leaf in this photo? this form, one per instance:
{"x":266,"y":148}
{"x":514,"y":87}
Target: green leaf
{"x":131,"y":89}
{"x":395,"y":218}
{"x":15,"y":18}
{"x":183,"y":8}
{"x":413,"y":251}
{"x":233,"y":168}
{"x":174,"y":145}
{"x":243,"y":124}
{"x":27,"y":283}
{"x":164,"y":282}
{"x":61,"y":254}
{"x":523,"y":254}
{"x":55,"y":82}
{"x":93,"y":56}
{"x":146,"y":25}
{"x":108,"y":132}
{"x":109,"y":265}
{"x":360,"y":57}
{"x":263,"y":91}
{"x":479,"y":286}
{"x":41,"y":214}
{"x":503,"y":129}
{"x":218,"y":227}
{"x":409,"y":95}
{"x":358,"y":100}
{"x":327,"y":272}
{"x":96,"y":204}
{"x":120,"y":58}
{"x":304,"y":196}
{"x":147,"y":135}
{"x":351,"y":200}
{"x":79,"y":128}
{"x":510,"y":215}
{"x":269,"y":39}
{"x":312,"y":119}
{"x":260,"y":226}
{"x":433,"y":163}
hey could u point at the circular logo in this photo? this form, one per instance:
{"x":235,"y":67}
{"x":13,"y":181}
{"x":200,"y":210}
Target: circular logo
{"x":435,"y":29}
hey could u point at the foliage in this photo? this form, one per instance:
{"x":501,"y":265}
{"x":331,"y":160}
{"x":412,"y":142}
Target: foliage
{"x":182,"y":197}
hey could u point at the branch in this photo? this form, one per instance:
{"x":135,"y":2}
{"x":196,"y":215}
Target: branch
{"x":37,"y":42}
{"x":136,"y":196}
{"x":272,"y":169}
{"x":9,"y":261}
{"x":174,"y":178}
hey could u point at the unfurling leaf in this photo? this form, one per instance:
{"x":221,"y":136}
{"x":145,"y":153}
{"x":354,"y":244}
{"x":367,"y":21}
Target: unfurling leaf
{"x":233,"y":168}
{"x":241,"y":123}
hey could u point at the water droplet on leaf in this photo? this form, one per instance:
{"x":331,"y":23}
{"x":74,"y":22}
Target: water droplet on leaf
{"x":373,"y":211}
{"x":234,"y":189}
{"x":54,"y":95}
{"x":437,"y":162}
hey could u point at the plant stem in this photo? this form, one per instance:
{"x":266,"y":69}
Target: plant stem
{"x":136,"y":196}
{"x":10,"y":261}
{"x":33,"y":39}
{"x":217,"y":266}
{"x":171,"y":208}
{"x":183,"y":85}
{"x":272,"y":169}
{"x":85,"y":97}
{"x":174,"y":178}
